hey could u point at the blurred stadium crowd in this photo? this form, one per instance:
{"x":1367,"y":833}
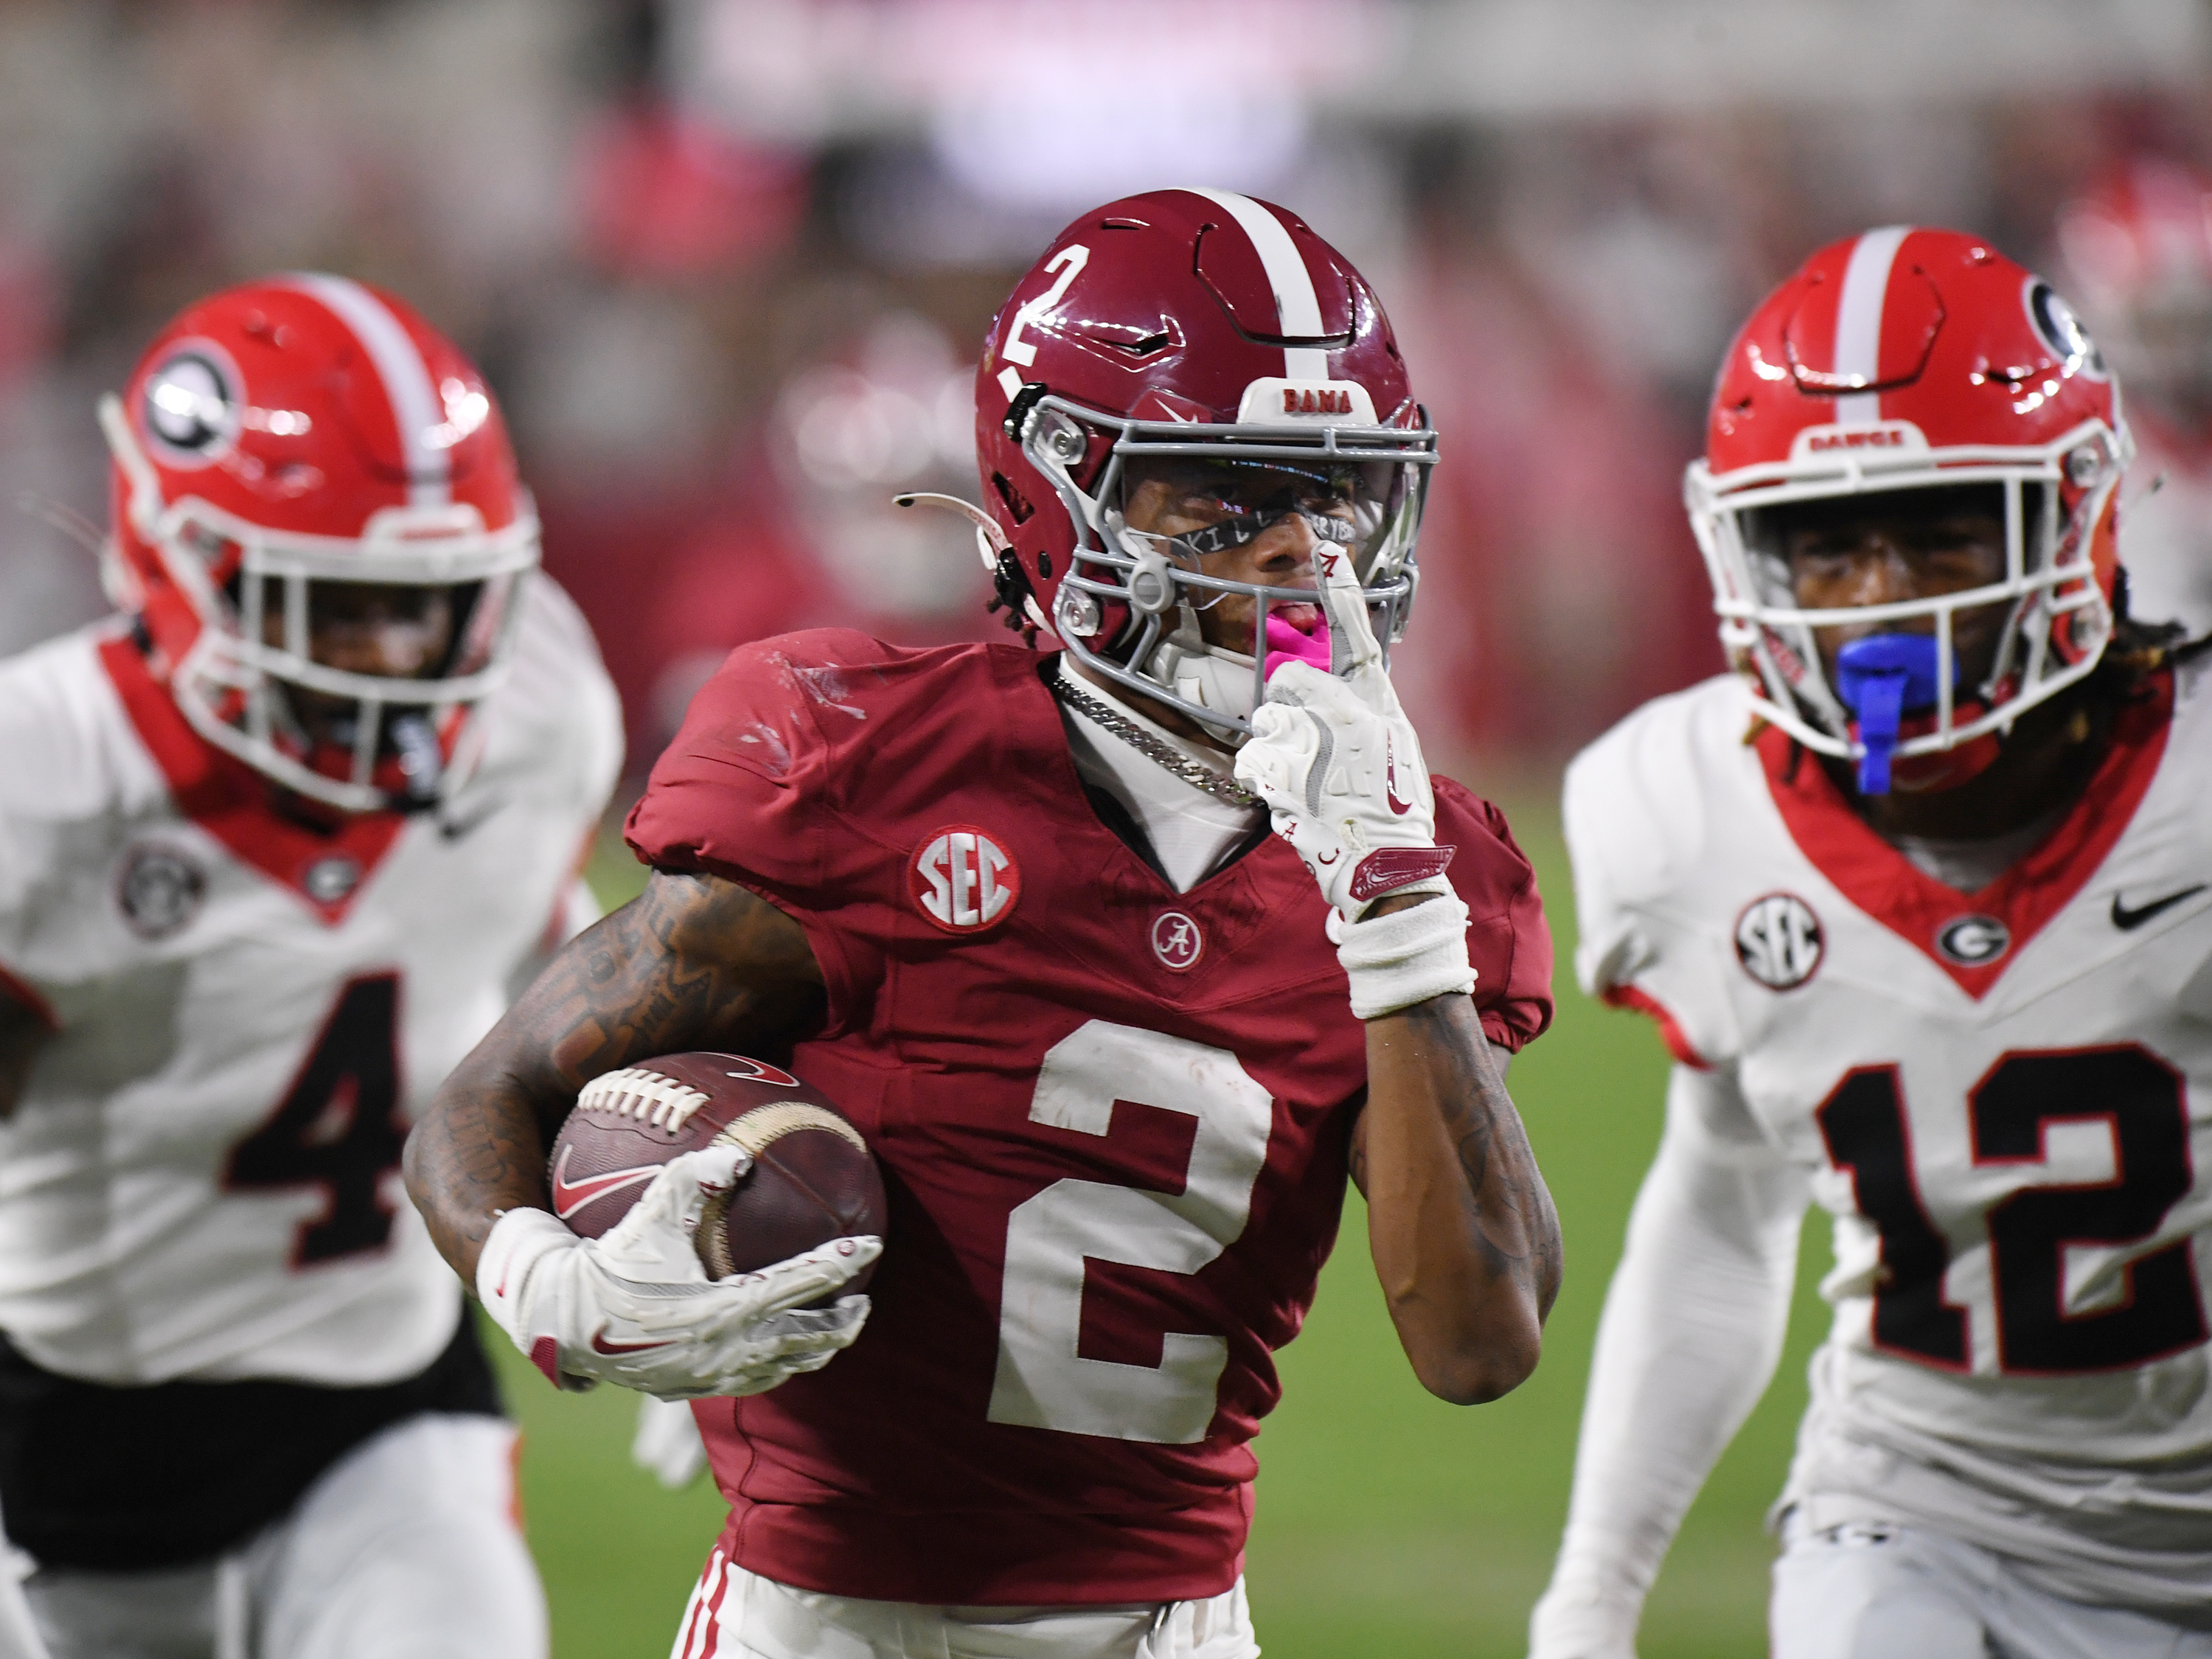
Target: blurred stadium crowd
{"x":727,"y":262}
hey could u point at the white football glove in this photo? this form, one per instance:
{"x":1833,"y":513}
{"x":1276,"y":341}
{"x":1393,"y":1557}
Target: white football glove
{"x":1337,"y":762}
{"x":636,"y":1307}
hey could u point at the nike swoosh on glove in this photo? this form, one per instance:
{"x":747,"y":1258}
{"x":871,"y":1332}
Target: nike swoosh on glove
{"x":636,"y":1307}
{"x":1336,"y":761}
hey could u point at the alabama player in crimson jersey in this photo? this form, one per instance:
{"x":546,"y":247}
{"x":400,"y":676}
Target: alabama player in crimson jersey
{"x":1018,"y":916}
{"x":272,"y":844}
{"x":1922,"y":900}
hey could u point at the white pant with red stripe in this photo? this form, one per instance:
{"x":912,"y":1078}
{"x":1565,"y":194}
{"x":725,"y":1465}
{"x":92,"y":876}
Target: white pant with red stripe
{"x":736,"y":1614}
{"x":407,"y":1548}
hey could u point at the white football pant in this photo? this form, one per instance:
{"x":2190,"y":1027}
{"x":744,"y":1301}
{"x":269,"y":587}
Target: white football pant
{"x":1863,"y":1591}
{"x":736,"y":1614}
{"x":405,"y":1548}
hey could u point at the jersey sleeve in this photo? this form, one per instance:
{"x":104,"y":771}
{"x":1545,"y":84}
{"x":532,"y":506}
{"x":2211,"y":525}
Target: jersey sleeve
{"x":61,"y":733}
{"x":1508,"y":940}
{"x":750,"y":789}
{"x":1633,"y":821}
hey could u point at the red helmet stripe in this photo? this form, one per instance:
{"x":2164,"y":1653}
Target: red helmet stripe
{"x":1858,"y":321}
{"x":417,"y":410}
{"x":1297,"y":307}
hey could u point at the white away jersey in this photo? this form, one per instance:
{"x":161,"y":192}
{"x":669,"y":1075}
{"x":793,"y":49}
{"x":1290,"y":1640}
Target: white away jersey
{"x":2004,"y":1098}
{"x":202,"y":1179}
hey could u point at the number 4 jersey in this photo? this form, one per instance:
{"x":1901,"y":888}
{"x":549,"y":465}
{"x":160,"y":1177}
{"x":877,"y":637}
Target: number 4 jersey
{"x":202,"y":1178}
{"x":1113,"y":1120}
{"x":2004,"y":1098}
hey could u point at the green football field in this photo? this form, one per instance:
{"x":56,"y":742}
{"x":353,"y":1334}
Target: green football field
{"x":1390,"y":1523}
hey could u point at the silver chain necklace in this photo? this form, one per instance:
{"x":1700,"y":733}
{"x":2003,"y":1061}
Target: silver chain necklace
{"x":1219,"y":784}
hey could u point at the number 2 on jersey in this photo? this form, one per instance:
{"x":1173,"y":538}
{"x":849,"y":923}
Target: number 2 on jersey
{"x":338,"y":1127}
{"x":1043,"y":1381}
{"x":2158,"y":1308}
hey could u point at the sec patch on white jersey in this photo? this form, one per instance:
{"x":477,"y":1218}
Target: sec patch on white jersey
{"x":2001,"y":1097}
{"x":202,"y":1177}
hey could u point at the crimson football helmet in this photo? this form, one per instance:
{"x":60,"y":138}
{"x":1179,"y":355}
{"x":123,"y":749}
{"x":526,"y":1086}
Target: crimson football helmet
{"x":1189,"y":324}
{"x":1905,"y":359}
{"x":281,"y":446}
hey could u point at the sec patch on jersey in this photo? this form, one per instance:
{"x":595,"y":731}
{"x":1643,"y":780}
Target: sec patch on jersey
{"x":811,"y":1177}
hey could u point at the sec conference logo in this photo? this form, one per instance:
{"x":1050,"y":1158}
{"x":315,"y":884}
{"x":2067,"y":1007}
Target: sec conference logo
{"x":964,"y":881}
{"x":1778,"y":940}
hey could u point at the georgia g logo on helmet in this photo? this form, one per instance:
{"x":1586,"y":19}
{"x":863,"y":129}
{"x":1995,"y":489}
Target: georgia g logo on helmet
{"x":2057,"y":327}
{"x":191,"y":410}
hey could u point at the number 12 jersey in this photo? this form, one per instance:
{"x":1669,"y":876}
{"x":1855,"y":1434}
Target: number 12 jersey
{"x":2004,"y":1098}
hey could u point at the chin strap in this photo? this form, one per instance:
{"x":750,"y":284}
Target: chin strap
{"x":1880,"y":679}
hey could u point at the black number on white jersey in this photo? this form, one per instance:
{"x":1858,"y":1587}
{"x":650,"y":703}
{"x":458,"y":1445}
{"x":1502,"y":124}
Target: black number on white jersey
{"x":338,"y":1127}
{"x":2159,"y":1309}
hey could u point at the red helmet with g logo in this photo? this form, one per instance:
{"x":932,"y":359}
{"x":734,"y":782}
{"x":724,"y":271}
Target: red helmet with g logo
{"x":1185,"y":323}
{"x":285,"y":437}
{"x":1906,"y":359}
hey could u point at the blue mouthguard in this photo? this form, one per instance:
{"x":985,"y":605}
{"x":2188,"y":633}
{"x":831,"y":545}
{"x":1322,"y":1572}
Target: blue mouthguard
{"x":1881,"y":678}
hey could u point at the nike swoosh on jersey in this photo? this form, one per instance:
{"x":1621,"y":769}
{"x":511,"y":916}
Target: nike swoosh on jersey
{"x":570,"y":1196}
{"x":600,"y":1344}
{"x":2128,"y":921}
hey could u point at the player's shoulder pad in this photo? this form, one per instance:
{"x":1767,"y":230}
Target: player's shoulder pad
{"x":773,"y":730}
{"x":558,"y":700}
{"x":785,"y":706}
{"x":69,"y":752}
{"x":1636,"y":804}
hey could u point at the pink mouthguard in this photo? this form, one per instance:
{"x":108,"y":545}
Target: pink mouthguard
{"x":1286,"y":644}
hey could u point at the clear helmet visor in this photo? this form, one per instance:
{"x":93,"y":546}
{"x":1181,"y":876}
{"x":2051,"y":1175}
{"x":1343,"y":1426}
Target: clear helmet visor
{"x":1193,"y":573}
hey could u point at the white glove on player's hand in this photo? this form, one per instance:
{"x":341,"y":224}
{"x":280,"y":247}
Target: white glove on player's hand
{"x":1336,"y":761}
{"x":636,"y":1307}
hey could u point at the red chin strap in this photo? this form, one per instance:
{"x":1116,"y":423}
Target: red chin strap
{"x":1942,"y":769}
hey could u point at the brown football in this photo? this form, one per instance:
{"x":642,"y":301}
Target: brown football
{"x":812,"y":1180}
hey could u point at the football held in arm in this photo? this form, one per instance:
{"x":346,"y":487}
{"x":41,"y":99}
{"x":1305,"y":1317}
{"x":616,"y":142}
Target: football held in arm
{"x":1122,"y":945}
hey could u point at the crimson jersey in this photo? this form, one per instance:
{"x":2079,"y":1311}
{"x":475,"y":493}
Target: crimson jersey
{"x":1113,"y":1120}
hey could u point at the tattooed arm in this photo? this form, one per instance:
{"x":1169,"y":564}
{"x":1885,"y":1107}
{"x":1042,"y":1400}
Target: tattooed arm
{"x":1465,"y":1239}
{"x":694,"y":962}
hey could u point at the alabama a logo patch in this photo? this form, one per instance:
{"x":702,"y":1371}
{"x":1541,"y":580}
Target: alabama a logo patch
{"x":963,"y":880}
{"x":1176,"y":941}
{"x":1778,"y":941}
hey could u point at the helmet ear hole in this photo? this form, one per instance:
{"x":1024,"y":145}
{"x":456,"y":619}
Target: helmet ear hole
{"x":1016,"y":503}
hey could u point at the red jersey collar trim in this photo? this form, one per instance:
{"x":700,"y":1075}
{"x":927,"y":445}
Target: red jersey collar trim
{"x":229,"y":800}
{"x":1884,"y":883}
